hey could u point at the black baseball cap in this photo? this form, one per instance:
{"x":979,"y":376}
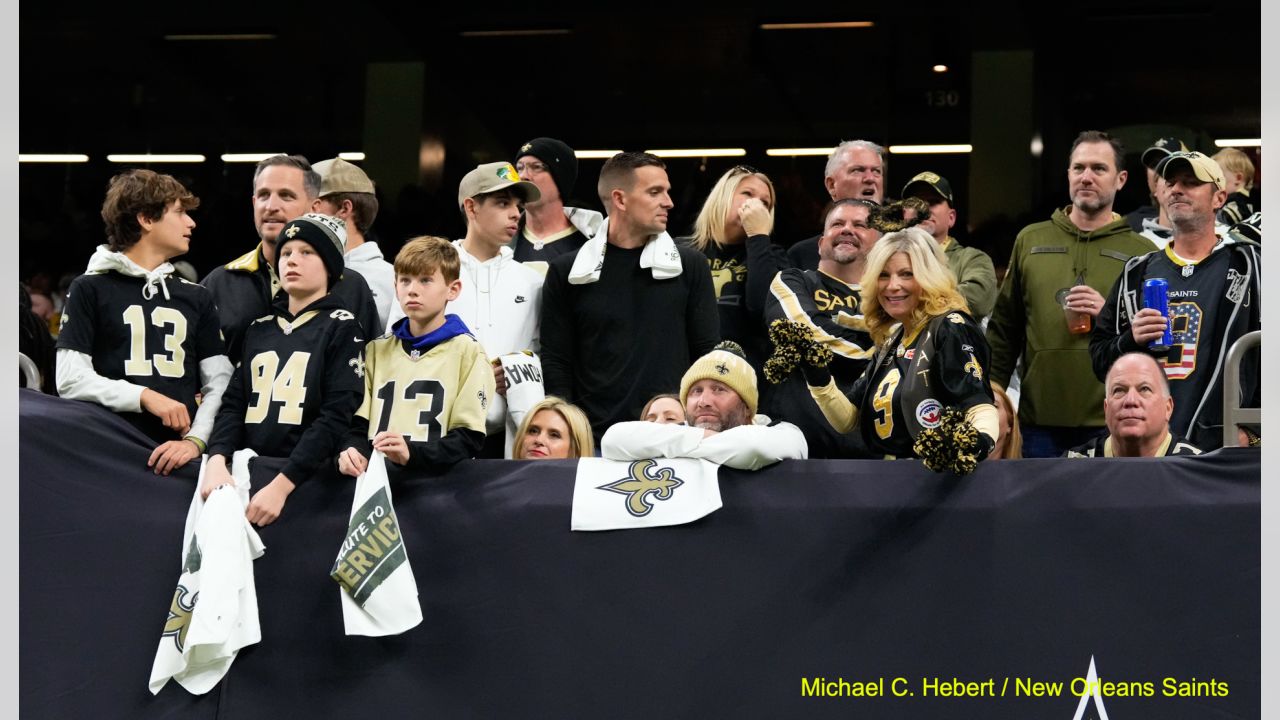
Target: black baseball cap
{"x":935,"y":181}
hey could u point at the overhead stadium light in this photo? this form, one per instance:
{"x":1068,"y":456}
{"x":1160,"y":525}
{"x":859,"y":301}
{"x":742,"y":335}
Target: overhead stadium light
{"x":818,"y":25}
{"x":247,"y":157}
{"x":798,"y":152}
{"x":149,"y":158}
{"x":351,"y":156}
{"x":929,"y":149}
{"x":699,"y":152}
{"x":515,"y":33}
{"x":595,"y":154}
{"x":52,"y":158}
{"x":1238,"y":142}
{"x":221,"y":36}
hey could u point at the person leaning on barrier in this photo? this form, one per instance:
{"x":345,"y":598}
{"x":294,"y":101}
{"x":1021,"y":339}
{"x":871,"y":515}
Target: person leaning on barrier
{"x":1137,"y":405}
{"x":719,"y":393}
{"x":427,"y":384}
{"x":301,"y":373}
{"x":930,"y":362}
{"x":137,"y":340}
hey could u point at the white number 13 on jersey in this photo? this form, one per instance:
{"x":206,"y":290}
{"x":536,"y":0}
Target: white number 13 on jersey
{"x":139,"y":364}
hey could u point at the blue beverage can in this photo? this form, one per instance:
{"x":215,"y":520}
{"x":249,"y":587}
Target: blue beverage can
{"x":1155,"y":295}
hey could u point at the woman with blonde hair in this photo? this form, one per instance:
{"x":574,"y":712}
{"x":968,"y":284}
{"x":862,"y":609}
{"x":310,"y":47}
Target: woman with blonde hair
{"x":1009,"y":444}
{"x":930,"y":357}
{"x":732,"y":231}
{"x":553,"y":429}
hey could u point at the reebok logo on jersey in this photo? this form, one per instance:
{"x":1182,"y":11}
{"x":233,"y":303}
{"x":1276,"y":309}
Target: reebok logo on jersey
{"x":519,"y":298}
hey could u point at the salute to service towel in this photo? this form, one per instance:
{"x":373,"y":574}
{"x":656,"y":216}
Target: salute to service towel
{"x":617,"y":495}
{"x":379,"y":594}
{"x":214,"y":611}
{"x":524,"y":389}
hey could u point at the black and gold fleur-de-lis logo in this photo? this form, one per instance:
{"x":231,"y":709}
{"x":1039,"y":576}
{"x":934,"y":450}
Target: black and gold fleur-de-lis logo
{"x":526,"y":147}
{"x":640,"y":484}
{"x":722,"y":369}
{"x":293,"y":230}
{"x":175,"y":626}
{"x":357,"y":364}
{"x":973,"y":368}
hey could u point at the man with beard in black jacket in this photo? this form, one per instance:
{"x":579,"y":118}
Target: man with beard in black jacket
{"x":284,"y":188}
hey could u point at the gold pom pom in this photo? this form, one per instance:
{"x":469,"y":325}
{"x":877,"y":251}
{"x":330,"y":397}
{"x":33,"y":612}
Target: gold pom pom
{"x":793,"y":343}
{"x":951,"y":446}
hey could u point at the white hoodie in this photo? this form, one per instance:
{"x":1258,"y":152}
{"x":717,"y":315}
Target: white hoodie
{"x":367,"y":260}
{"x":500,"y":302}
{"x":78,"y":380}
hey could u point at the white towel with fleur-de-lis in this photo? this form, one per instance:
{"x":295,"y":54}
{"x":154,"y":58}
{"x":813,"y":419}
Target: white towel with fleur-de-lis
{"x":620,"y":494}
{"x":214,"y":610}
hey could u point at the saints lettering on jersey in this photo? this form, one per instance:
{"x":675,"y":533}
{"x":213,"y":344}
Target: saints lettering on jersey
{"x":828,"y":301}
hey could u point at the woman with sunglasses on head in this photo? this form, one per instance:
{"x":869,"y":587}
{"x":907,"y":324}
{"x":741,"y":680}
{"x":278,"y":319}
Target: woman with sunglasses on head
{"x":732,"y":230}
{"x":931,"y":358}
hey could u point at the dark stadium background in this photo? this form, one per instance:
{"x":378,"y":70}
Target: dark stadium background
{"x":102,"y":78}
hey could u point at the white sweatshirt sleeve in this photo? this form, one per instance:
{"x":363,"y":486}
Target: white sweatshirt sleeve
{"x":215,"y":375}
{"x":638,"y":440}
{"x":77,"y":380}
{"x":751,"y":447}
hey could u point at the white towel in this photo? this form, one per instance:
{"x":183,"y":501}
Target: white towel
{"x":214,"y":610}
{"x":660,"y":253}
{"x":524,"y":390}
{"x":618,"y":495}
{"x":379,"y":594}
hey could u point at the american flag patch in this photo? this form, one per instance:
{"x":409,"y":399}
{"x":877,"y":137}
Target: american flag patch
{"x":1185,"y":319}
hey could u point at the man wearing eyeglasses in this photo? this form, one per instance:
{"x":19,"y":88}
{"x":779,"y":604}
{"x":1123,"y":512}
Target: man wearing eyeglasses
{"x":548,"y":228}
{"x":855,"y":169}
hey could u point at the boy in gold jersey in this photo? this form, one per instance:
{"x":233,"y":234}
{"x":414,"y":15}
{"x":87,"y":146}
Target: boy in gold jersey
{"x":428,"y":382}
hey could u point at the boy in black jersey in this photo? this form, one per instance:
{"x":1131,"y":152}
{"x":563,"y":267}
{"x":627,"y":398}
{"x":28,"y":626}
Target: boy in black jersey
{"x":428,"y":382}
{"x":300,"y":376}
{"x":138,"y":339}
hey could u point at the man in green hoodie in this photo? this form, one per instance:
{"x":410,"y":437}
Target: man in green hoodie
{"x":1066,"y":264}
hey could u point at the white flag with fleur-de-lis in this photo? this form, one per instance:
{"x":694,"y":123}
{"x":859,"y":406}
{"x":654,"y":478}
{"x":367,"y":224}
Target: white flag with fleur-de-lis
{"x":619,"y":494}
{"x":214,"y":610}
